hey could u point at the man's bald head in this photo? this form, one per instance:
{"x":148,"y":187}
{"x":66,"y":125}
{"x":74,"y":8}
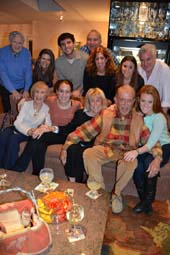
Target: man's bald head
{"x":125,"y":98}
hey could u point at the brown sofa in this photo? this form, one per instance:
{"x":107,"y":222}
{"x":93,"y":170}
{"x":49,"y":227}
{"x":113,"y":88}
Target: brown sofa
{"x":53,"y":161}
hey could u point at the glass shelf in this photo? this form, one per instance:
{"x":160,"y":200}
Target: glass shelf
{"x":140,"y":19}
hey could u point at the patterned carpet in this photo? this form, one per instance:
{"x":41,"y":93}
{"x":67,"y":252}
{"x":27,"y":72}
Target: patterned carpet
{"x":131,"y":234}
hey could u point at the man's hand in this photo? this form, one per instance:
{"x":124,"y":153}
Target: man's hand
{"x":16,"y":95}
{"x":154,"y":168}
{"x":130,"y":155}
{"x":63,"y":156}
{"x":25,"y":94}
{"x":76,"y":93}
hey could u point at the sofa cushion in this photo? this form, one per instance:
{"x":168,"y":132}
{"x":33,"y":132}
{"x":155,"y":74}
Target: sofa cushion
{"x":54,"y":150}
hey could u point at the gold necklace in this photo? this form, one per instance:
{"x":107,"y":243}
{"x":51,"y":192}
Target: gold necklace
{"x":35,"y":112}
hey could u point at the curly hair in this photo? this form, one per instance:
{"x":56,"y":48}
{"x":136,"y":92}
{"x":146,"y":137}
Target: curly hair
{"x":119,"y":74}
{"x":91,"y":67}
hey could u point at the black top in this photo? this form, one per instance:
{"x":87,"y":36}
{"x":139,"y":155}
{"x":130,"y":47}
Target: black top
{"x":106,"y":83}
{"x":80,"y":117}
{"x":140,"y":83}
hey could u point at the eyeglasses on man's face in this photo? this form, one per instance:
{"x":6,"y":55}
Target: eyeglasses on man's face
{"x":126,"y":101}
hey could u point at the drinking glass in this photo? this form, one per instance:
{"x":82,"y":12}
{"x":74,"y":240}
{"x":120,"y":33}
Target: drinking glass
{"x":46,"y":176}
{"x":3,"y":182}
{"x":56,"y":222}
{"x":74,"y":216}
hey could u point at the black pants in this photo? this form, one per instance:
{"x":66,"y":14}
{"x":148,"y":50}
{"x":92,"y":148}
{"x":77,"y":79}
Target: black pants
{"x":74,"y":166}
{"x":143,"y":163}
{"x":5,"y":98}
{"x":38,"y":159}
{"x":40,"y":147}
{"x":36,"y":150}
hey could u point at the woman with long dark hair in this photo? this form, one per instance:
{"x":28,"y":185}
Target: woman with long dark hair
{"x":128,"y":73}
{"x":44,"y":69}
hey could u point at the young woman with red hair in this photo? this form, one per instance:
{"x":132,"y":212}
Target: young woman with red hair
{"x":145,"y":175}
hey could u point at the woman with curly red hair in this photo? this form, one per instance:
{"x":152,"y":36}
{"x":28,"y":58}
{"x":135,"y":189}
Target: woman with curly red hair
{"x":100,"y":73}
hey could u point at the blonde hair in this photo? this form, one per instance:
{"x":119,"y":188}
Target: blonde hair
{"x":93,"y":92}
{"x":39,"y":85}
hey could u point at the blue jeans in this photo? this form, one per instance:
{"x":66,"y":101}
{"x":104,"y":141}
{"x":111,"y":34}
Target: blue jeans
{"x":10,"y":140}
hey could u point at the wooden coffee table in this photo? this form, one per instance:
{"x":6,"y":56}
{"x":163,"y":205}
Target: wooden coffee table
{"x":93,"y":222}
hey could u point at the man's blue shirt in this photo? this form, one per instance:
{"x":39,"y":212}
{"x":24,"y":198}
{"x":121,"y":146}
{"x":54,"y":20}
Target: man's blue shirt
{"x":15,"y":69}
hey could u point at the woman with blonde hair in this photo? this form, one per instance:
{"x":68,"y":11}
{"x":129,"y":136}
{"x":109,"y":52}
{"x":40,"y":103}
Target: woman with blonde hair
{"x":31,"y":122}
{"x":95,"y":101}
{"x":100,"y":73}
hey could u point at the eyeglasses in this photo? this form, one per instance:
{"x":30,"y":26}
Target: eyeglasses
{"x":126,"y":101}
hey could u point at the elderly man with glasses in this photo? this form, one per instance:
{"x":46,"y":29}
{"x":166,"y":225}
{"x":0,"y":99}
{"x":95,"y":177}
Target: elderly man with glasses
{"x":117,"y":130}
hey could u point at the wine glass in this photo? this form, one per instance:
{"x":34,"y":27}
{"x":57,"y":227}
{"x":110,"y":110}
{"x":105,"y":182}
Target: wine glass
{"x":46,"y":176}
{"x":56,"y":221}
{"x":74,"y":216}
{"x":3,"y":182}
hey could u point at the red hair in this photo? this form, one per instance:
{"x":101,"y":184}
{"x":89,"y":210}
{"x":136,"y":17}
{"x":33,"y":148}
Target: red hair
{"x":151,"y":90}
{"x":91,"y":67}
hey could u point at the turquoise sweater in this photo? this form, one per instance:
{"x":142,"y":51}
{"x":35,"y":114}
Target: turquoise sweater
{"x":157,"y":125}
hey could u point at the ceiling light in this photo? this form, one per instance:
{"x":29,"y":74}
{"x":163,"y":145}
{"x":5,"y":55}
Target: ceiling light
{"x":61,"y":18}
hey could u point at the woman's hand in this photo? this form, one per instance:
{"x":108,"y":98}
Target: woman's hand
{"x":63,"y":156}
{"x":154,"y":167}
{"x":76,"y":93}
{"x":130,"y":155}
{"x":30,"y":131}
{"x":38,"y":132}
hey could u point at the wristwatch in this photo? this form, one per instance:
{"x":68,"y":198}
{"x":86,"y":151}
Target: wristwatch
{"x":56,"y":129}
